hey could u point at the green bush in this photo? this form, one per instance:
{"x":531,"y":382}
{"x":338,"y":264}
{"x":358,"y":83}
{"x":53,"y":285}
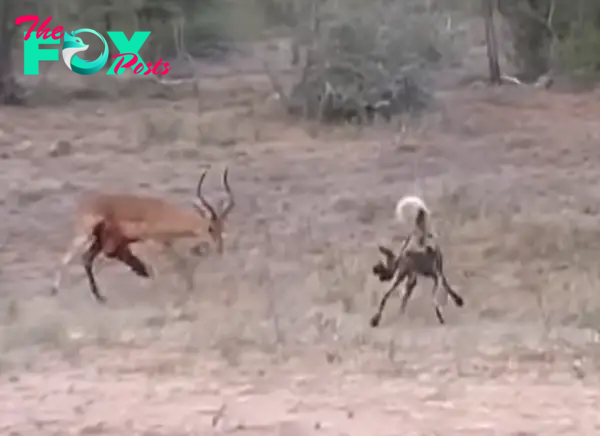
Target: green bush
{"x":579,"y":52}
{"x":553,"y":35}
{"x":367,"y":58}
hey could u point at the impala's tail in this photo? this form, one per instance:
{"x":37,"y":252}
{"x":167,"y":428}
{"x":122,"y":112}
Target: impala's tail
{"x":419,"y":212}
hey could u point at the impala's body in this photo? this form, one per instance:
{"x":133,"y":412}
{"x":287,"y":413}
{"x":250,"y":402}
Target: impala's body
{"x":108,"y":223}
{"x":142,"y":218}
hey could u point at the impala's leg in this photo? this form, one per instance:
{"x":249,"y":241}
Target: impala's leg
{"x":115,"y":246}
{"x":377,"y":317}
{"x":181,"y":265}
{"x":408,"y":290}
{"x":77,"y":243}
{"x":88,"y":261}
{"x":126,"y":256}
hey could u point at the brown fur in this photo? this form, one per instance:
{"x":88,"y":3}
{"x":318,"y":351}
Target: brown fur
{"x":108,"y":223}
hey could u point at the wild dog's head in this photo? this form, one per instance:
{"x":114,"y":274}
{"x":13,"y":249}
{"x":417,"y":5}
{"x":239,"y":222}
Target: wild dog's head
{"x":385,"y":270}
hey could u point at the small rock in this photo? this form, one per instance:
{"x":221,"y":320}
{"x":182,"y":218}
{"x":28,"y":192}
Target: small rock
{"x":62,"y":147}
{"x":5,"y":138}
{"x":578,"y":369}
{"x":292,"y":428}
{"x":24,"y":145}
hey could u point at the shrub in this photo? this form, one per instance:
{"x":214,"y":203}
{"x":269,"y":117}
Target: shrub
{"x":365,"y":59}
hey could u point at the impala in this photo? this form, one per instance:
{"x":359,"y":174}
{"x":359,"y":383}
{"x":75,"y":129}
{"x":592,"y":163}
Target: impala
{"x":107,"y":223}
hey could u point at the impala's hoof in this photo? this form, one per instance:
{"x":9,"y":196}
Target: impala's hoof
{"x":144,"y":272}
{"x":53,"y":291}
{"x":459,"y":301}
{"x":375,"y":320}
{"x":139,"y":268}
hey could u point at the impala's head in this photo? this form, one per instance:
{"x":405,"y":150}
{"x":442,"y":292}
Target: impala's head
{"x":215,"y":220}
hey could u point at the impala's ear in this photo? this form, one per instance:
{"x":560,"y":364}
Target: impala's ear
{"x":199,"y":209}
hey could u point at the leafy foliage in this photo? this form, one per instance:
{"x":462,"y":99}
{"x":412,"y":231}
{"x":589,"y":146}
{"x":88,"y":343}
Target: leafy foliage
{"x":363,"y":60}
{"x":355,"y":59}
{"x":554,"y":35}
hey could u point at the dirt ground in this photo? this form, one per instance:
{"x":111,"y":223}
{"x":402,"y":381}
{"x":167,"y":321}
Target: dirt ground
{"x":276,"y":338}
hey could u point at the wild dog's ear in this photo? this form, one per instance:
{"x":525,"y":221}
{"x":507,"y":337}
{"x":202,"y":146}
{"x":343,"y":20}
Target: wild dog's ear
{"x":386,"y":251}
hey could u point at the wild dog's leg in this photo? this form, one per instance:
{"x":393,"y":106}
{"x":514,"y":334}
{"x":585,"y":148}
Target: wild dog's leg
{"x":408,"y":290}
{"x":438,"y":310}
{"x":377,"y":317}
{"x":458,"y":300}
{"x":88,"y":260}
{"x":77,"y":243}
{"x":436,"y":276}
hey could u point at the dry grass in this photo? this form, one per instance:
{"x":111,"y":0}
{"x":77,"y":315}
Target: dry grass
{"x":512,"y":180}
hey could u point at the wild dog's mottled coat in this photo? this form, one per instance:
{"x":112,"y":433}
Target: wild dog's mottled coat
{"x":420,"y":255}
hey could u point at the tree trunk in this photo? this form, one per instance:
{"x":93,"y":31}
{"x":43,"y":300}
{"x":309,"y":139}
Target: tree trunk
{"x":491,"y":42}
{"x":8,"y":85}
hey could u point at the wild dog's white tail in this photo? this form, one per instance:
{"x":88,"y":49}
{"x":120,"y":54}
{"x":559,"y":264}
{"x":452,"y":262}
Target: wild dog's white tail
{"x":417,"y":207}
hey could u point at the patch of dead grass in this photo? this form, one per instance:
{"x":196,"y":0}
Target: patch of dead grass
{"x":513,"y":262}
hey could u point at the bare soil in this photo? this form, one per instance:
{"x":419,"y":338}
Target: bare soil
{"x":276,"y":338}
